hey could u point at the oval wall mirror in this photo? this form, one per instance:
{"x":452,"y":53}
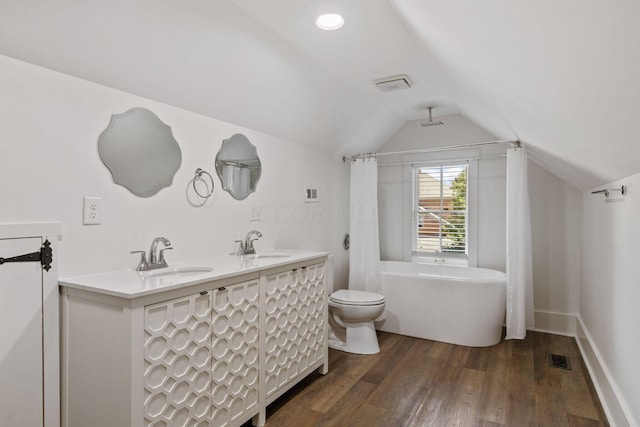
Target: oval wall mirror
{"x":140,"y":151}
{"x":238,"y":166}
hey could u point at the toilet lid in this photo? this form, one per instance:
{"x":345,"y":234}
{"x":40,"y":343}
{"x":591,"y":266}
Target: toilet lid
{"x":351,"y":297}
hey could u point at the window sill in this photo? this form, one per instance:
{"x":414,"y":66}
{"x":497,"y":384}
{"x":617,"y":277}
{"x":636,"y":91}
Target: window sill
{"x":439,"y":260}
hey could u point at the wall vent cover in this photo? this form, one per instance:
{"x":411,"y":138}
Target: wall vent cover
{"x":393,"y":83}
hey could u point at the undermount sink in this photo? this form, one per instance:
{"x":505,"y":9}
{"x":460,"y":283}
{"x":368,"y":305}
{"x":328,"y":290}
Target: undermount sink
{"x":270,"y":256}
{"x":261,"y":255}
{"x":176,"y":272}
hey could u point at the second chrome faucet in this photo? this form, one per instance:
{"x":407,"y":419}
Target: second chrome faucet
{"x":246,"y":245}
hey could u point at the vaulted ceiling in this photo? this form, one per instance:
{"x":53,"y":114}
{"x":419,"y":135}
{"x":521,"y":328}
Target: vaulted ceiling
{"x":562,"y":77}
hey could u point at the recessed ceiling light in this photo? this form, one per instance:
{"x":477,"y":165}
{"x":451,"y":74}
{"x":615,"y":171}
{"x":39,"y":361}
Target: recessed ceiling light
{"x":329,"y":21}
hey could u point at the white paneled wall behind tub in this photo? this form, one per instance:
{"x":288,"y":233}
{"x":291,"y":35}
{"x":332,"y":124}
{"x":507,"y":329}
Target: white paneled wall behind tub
{"x":49,"y":126}
{"x":395,"y":195}
{"x":610,"y":299}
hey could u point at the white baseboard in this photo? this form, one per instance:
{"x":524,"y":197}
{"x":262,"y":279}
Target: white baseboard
{"x":555,"y":323}
{"x":614,"y":406}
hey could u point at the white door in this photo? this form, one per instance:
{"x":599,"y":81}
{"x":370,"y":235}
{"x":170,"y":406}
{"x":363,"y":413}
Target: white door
{"x":21,"y":352}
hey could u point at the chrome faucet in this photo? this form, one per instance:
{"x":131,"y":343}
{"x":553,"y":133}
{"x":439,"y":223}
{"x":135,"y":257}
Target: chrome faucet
{"x":156,"y":257}
{"x":246,"y":246}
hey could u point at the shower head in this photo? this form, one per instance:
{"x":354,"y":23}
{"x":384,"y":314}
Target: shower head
{"x":430,"y":121}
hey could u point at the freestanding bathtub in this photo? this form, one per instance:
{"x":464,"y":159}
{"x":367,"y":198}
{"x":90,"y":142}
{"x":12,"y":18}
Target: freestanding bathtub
{"x":457,"y":305}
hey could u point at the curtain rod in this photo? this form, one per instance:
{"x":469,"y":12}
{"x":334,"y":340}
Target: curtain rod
{"x":427,"y":162}
{"x":516,"y":144}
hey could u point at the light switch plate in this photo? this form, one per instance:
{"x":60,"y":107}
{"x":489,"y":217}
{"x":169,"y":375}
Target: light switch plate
{"x":254,"y":214}
{"x":311,"y":195}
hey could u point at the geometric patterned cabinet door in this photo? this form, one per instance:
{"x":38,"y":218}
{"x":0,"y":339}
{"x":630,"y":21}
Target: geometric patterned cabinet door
{"x":235,"y":324}
{"x":294,"y":324}
{"x":177,"y":362}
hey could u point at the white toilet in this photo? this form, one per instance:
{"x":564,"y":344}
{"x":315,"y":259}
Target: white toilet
{"x":351,"y":316}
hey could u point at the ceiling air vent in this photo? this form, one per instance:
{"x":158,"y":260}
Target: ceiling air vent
{"x":393,"y":83}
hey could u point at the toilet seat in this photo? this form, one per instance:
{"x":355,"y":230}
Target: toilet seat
{"x":353,"y":297}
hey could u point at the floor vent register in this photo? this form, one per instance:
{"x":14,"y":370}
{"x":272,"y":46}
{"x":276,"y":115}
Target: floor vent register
{"x":558,"y":361}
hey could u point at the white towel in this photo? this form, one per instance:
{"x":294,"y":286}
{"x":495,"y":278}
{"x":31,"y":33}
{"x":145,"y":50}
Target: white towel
{"x":241,"y":177}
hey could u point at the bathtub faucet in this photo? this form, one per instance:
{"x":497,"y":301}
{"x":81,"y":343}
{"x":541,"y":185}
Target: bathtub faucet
{"x":246,"y":246}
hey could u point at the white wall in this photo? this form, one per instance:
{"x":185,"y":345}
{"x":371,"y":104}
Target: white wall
{"x":49,"y":125}
{"x":492,"y":213}
{"x":610,"y":296}
{"x":392,"y":222}
{"x":556,"y":225}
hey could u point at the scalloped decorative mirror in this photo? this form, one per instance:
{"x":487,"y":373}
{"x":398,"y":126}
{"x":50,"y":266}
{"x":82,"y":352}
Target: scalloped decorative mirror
{"x":238,"y":166}
{"x":140,"y":151}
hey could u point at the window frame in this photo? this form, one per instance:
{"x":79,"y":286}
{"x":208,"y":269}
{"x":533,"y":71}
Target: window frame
{"x":471,"y":219}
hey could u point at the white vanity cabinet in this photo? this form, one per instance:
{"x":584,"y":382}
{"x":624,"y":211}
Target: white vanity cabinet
{"x":210,"y":353}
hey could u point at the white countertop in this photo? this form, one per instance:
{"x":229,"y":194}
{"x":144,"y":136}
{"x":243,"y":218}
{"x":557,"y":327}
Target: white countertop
{"x":132,"y":284}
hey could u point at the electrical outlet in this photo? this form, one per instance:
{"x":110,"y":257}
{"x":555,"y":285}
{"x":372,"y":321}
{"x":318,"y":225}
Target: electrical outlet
{"x":92,"y":211}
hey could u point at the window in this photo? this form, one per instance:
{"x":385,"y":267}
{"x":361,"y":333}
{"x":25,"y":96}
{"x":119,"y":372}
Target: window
{"x":441,"y":210}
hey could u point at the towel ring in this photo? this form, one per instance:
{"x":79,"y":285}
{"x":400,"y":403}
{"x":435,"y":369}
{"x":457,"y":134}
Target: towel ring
{"x":198,"y":175}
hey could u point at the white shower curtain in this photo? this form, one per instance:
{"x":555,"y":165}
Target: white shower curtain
{"x":519,"y":270}
{"x":364,"y":253}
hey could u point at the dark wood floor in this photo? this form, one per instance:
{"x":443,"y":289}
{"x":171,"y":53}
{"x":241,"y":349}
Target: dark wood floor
{"x":414,"y":382}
